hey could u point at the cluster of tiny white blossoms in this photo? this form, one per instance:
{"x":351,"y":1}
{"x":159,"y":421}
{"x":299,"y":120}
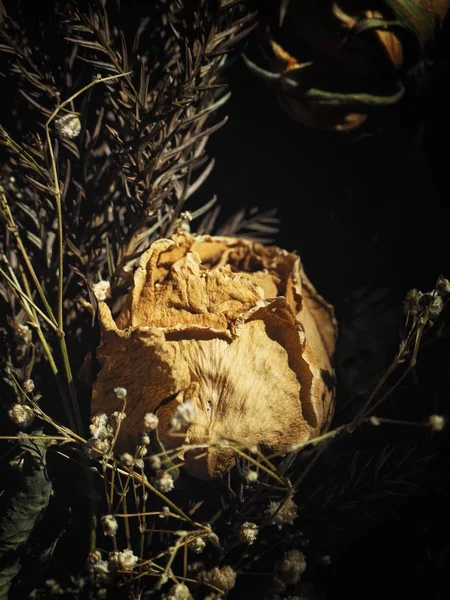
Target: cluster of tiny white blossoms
{"x":179,"y":591}
{"x":110,"y":525}
{"x":123,"y":561}
{"x":150,"y":422}
{"x":102,"y":432}
{"x":101,"y":290}
{"x":22,"y":415}
{"x":291,"y":567}
{"x":103,"y":428}
{"x":282,"y":513}
{"x":68,"y":126}
{"x":223,"y":578}
{"x":163,"y":480}
{"x":248,"y":532}
{"x":183,"y":416}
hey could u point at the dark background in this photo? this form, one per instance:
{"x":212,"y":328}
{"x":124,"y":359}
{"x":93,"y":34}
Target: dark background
{"x":368,"y":214}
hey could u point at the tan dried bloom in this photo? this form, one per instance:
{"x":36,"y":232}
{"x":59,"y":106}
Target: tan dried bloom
{"x":223,"y":578}
{"x":22,"y":415}
{"x":284,"y":515}
{"x":28,"y":386}
{"x":248,"y":532}
{"x":125,"y":560}
{"x":293,"y":565}
{"x":110,"y":525}
{"x":232,"y":326}
{"x":179,"y":591}
{"x":23,"y":333}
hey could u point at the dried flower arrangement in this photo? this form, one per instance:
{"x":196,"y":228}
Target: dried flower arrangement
{"x":168,"y":387}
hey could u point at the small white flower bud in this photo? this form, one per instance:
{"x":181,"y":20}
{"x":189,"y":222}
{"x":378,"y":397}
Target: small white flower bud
{"x":223,"y":578}
{"x":127,"y":459}
{"x":125,"y":560}
{"x":286,"y":514}
{"x":22,"y":415}
{"x":145,"y":439}
{"x":197,"y":545}
{"x":23,"y":332}
{"x":248,"y":532}
{"x":150,"y":421}
{"x":102,"y":290}
{"x":163,"y":481}
{"x":68,"y":126}
{"x":436,"y":422}
{"x":28,"y":386}
{"x":110,"y":525}
{"x":251,"y":475}
{"x":120,"y":392}
{"x":155,"y":462}
{"x":292,"y":567}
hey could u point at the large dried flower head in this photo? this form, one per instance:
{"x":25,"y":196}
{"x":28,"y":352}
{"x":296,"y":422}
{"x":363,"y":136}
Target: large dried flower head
{"x":163,"y":481}
{"x":232,"y":327}
{"x":124,"y":561}
{"x":110,"y":525}
{"x":282,"y":513}
{"x":179,"y":591}
{"x":223,"y":578}
{"x":248,"y":532}
{"x":22,"y":415}
{"x":68,"y":126}
{"x":292,"y":566}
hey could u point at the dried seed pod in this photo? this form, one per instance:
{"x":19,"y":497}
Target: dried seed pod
{"x":232,"y":326}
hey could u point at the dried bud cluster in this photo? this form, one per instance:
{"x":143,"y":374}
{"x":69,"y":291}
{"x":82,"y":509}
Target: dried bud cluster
{"x":282,"y":513}
{"x":220,"y":339}
{"x":68,"y":126}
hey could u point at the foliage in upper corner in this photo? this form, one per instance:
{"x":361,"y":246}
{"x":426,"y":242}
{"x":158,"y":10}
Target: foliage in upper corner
{"x":128,"y":151}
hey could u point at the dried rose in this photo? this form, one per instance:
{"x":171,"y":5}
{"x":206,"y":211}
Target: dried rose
{"x":232,"y":326}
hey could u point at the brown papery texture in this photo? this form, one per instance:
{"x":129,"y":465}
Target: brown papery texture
{"x":231,"y":325}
